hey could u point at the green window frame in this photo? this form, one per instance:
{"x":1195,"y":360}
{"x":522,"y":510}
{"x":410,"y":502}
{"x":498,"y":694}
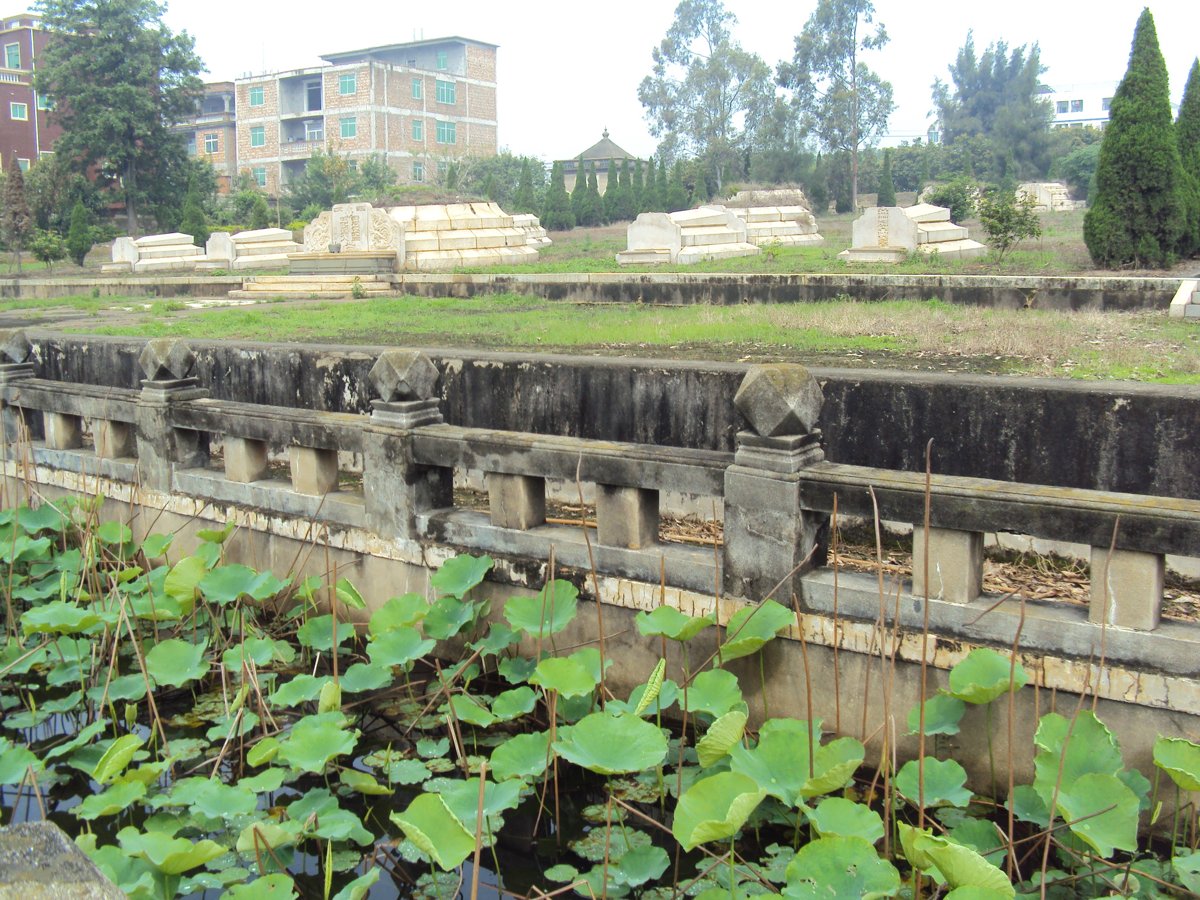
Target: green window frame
{"x":418,"y":130}
{"x":18,"y":112}
{"x":258,"y":136}
{"x":348,"y":83}
{"x":418,"y":171}
{"x":211,"y":143}
{"x":348,"y":127}
{"x":260,"y":175}
{"x":443,"y":59}
{"x":12,"y":56}
{"x":447,"y":92}
{"x":257,"y":96}
{"x":418,"y":88}
{"x":447,"y":133}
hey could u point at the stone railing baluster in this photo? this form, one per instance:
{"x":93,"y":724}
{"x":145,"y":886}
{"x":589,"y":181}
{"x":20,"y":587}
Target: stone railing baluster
{"x":167,"y":364}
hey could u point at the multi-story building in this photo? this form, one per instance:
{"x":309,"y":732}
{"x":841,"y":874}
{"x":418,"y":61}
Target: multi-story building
{"x":1079,"y":105}
{"x":211,"y":134}
{"x":25,"y":129}
{"x":419,"y":106}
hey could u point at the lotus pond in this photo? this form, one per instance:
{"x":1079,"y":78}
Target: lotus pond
{"x":203,"y":728}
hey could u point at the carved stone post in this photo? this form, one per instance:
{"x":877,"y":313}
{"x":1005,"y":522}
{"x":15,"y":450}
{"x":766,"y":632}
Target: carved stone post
{"x":396,"y":489}
{"x":769,"y":538}
{"x":168,"y":364}
{"x":14,"y":350}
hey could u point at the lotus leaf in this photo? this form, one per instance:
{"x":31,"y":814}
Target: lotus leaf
{"x":840,"y":867}
{"x":15,"y":761}
{"x":407,"y":771}
{"x":174,"y":662}
{"x":59,"y":617}
{"x":521,"y":756}
{"x":981,"y":836}
{"x":316,"y":740}
{"x":431,"y":749}
{"x":971,"y":892}
{"x":360,"y":886}
{"x":1102,"y":811}
{"x":566,"y":675}
{"x":212,"y":798}
{"x":612,"y":744}
{"x":47,"y":517}
{"x":118,"y":755}
{"x":84,"y":735}
{"x":1180,"y":759}
{"x":265,"y":782}
{"x":23,"y":549}
{"x":561,"y":873}
{"x":430,"y":825}
{"x":471,"y":710}
{"x":668,"y":622}
{"x":459,"y":574}
{"x":945,"y":782}
{"x":613,"y":842}
{"x":407,"y":610}
{"x":366,"y":677}
{"x":1187,"y":869}
{"x":752,"y":626}
{"x":942,"y":715}
{"x":183,"y":580}
{"x":839,"y":817}
{"x":447,"y":617}
{"x":1078,"y":748}
{"x":549,"y":612}
{"x":721,"y":736}
{"x":300,"y":689}
{"x":957,"y":865}
{"x":715,"y":808}
{"x":169,"y":855}
{"x":362,"y":783}
{"x":499,"y":638}
{"x":225,"y":584}
{"x":155,"y":545}
{"x":319,"y":814}
{"x":317,"y":633}
{"x":715,"y":692}
{"x":517,"y":669}
{"x":984,"y":675}
{"x":275,"y":885}
{"x":216,"y":535}
{"x":110,"y":802}
{"x":1028,"y":806}
{"x":398,"y":646}
{"x":640,"y":865}
{"x":512,"y":704}
{"x":348,"y":595}
{"x":462,"y":799}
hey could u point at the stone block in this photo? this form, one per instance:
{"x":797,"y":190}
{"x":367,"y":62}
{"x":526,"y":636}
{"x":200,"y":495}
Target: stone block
{"x":314,"y":470}
{"x":779,"y":399}
{"x":654,"y":231}
{"x":14,"y":345}
{"x":404,"y":375}
{"x":124,"y":250}
{"x":220,"y":248}
{"x":164,"y":240}
{"x":516,"y":501}
{"x":1183,"y":297}
{"x":884,"y":226}
{"x":114,"y":440}
{"x":460,"y":239}
{"x":167,"y":359}
{"x":245,"y":459}
{"x":263,"y":235}
{"x":63,"y":432}
{"x":927,"y":212}
{"x":955,"y":564}
{"x":38,"y":861}
{"x":1126,"y":588}
{"x":626,"y":516}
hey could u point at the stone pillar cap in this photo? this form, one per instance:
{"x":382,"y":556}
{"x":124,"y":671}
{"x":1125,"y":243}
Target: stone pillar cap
{"x":780,"y":399}
{"x":402,"y":375}
{"x":167,"y":359}
{"x":14,"y":345}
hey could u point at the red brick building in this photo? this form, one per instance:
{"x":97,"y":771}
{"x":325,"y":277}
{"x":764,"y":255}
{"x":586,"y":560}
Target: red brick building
{"x":25,"y":129}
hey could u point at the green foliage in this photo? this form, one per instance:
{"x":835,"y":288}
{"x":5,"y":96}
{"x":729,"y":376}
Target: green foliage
{"x":995,"y":98}
{"x":79,"y":238}
{"x":1138,"y":213}
{"x":194,"y":221}
{"x":47,"y":247}
{"x":1187,"y":134}
{"x":958,"y":196}
{"x":557,"y":214}
{"x":260,"y":213}
{"x":705,"y":92}
{"x":838,"y":97}
{"x":1008,"y":219}
{"x":16,"y":223}
{"x":677,"y":197}
{"x":120,"y":80}
{"x":887,"y":190}
{"x":500,"y":178}
{"x":523,"y":200}
{"x":1078,"y":169}
{"x":327,"y":179}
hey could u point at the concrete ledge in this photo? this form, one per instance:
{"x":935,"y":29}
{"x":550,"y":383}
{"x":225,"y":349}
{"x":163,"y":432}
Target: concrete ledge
{"x":275,"y":496}
{"x":85,"y":462}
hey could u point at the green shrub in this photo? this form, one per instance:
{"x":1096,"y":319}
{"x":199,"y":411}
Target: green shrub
{"x":47,"y":247}
{"x":1007,"y":219}
{"x":260,"y":213}
{"x":887,"y":189}
{"x":80,"y":235}
{"x":958,"y":195}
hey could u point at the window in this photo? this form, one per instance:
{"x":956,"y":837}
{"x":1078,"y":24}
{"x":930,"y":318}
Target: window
{"x":418,"y":130}
{"x":312,"y":96}
{"x":442,"y":60}
{"x":210,"y":143}
{"x":18,"y":112}
{"x":443,"y":168}
{"x":44,"y":103}
{"x":418,"y":89}
{"x":349,"y":126}
{"x":348,"y":84}
{"x":1076,"y":106}
{"x":258,"y":136}
{"x":12,"y":56}
{"x":418,"y":171}
{"x":260,"y":175}
{"x":256,"y":96}
{"x":1061,"y":106}
{"x":23,"y":164}
{"x":447,"y":133}
{"x":1106,"y":104}
{"x":314,"y":131}
{"x":446,"y":92}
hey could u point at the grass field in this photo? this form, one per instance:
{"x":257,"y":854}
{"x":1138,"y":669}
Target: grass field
{"x":932,"y":335}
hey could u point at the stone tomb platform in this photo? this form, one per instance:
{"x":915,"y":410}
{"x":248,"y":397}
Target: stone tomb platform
{"x":786,"y":226}
{"x":438,"y":237}
{"x":888,"y":234}
{"x":263,"y":248}
{"x":688,"y":236}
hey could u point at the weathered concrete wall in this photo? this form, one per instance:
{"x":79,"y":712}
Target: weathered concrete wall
{"x":1106,"y":436}
{"x":999,"y":291}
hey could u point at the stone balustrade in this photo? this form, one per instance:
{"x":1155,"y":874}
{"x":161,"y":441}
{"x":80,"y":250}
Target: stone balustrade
{"x":776,"y":494}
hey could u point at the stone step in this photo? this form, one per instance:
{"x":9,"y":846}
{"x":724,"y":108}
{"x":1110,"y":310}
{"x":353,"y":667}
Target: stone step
{"x":171,"y":251}
{"x":936,"y":232}
{"x":707,"y":235}
{"x":715,"y":251}
{"x":698,"y":218}
{"x":1183,"y":304}
{"x":768,"y":229}
{"x":187,"y":263}
{"x":334,"y":278}
{"x":268,"y":248}
{"x":874,"y":255}
{"x":964,"y":249}
{"x":643,"y":257}
{"x":297,"y":295}
{"x":263,"y":261}
{"x":160,"y":240}
{"x":116,"y":268}
{"x":792,"y":240}
{"x":264,"y":235}
{"x":306,"y":287}
{"x":927,"y":212}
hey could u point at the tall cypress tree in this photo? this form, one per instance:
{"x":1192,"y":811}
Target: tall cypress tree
{"x":1138,"y":215}
{"x":557,"y":214}
{"x":1187,"y":134}
{"x":887,"y":188}
{"x":597,"y":202}
{"x":650,"y":202}
{"x":612,"y":194}
{"x":16,"y":222}
{"x":579,"y":195}
{"x":638,"y":181}
{"x":677,"y":195}
{"x":660,"y":189}
{"x":523,"y":200}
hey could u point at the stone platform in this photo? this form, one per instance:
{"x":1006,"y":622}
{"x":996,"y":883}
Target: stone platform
{"x":39,"y":862}
{"x":888,"y":234}
{"x":688,"y":236}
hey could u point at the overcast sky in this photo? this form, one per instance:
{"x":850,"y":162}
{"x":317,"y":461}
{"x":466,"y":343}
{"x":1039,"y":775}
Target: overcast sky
{"x":568,"y":70}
